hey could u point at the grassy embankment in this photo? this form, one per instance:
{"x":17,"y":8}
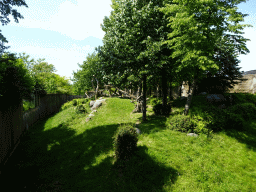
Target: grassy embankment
{"x":66,"y":153}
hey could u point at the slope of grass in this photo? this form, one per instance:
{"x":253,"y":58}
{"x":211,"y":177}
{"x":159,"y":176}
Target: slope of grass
{"x":65,"y":153}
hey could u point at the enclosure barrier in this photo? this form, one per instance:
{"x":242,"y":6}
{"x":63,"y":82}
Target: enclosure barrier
{"x":14,"y":122}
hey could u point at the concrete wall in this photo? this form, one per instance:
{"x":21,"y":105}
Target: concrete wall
{"x":248,"y":86}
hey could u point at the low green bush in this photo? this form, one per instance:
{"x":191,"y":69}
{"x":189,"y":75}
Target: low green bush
{"x":246,"y":110}
{"x":80,"y":109}
{"x":154,"y":101}
{"x":180,"y":123}
{"x":74,"y":102}
{"x":125,"y":142}
{"x":159,"y":110}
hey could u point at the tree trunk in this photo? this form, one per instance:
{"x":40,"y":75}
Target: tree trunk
{"x":157,"y":91}
{"x":189,"y":99}
{"x":164,"y":91}
{"x":97,"y":91}
{"x":144,"y":104}
{"x":170,"y":93}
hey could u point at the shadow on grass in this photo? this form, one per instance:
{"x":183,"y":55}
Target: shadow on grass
{"x":153,"y":124}
{"x":73,"y":164}
{"x":247,"y":136}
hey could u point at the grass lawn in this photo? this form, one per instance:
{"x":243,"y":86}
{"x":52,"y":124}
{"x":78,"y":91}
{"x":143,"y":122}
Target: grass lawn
{"x":66,"y":153}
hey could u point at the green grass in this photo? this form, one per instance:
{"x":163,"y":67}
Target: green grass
{"x":80,"y":154}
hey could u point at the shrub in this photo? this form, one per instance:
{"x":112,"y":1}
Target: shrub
{"x":246,"y":110}
{"x":234,"y":121}
{"x":125,"y":142}
{"x":80,"y":109}
{"x":159,"y":110}
{"x":74,"y":102}
{"x":155,"y":101}
{"x":180,"y":123}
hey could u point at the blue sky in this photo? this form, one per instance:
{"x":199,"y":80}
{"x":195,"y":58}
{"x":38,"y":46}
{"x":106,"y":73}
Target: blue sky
{"x":65,"y":31}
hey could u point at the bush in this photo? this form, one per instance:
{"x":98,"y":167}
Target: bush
{"x":74,"y":102}
{"x":125,"y":142}
{"x":80,"y":109}
{"x":246,"y":110}
{"x":159,"y":110}
{"x":155,"y":101}
{"x":180,"y":123}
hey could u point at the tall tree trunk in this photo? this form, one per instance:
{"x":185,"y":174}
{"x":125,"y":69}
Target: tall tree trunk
{"x":170,"y":91}
{"x":164,"y":91}
{"x":144,"y":104}
{"x":189,"y":99}
{"x":157,"y":91}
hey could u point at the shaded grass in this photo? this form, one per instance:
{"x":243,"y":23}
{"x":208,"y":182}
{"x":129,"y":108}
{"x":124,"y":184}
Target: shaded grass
{"x":80,"y":155}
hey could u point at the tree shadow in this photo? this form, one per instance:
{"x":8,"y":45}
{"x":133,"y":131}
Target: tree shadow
{"x":153,"y":124}
{"x":60,"y":160}
{"x":247,"y":136}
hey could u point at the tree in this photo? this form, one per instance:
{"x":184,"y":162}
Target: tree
{"x":196,"y":27}
{"x":6,"y":9}
{"x":15,"y":80}
{"x":89,"y":75}
{"x":132,"y":43}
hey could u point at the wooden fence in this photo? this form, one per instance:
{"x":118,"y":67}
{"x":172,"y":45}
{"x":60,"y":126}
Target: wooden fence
{"x":14,"y":122}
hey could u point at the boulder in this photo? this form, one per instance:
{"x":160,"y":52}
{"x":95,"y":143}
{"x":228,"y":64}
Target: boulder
{"x":91,"y":103}
{"x":138,"y":131}
{"x":91,"y":115}
{"x":215,"y":98}
{"x":97,"y":104}
{"x":192,"y":135}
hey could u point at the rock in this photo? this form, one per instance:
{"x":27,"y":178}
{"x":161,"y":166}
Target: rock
{"x":94,"y":111}
{"x":97,"y":104}
{"x":215,"y":98}
{"x":91,"y":115}
{"x":91,"y":103}
{"x":192,"y":135}
{"x":88,"y":119}
{"x":138,"y":131}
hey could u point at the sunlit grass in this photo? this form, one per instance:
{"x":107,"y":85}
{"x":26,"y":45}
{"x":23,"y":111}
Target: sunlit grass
{"x":80,"y":154}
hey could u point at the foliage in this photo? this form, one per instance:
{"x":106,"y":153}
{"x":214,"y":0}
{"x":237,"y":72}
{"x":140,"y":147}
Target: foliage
{"x":80,"y":108}
{"x":74,"y":102}
{"x":125,"y":142}
{"x":89,"y":75}
{"x":15,"y":80}
{"x":180,"y":123}
{"x":6,"y":9}
{"x":246,"y":110}
{"x":160,"y":110}
{"x":28,"y":105}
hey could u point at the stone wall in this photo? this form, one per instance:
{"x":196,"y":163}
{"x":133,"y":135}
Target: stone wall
{"x":248,"y":86}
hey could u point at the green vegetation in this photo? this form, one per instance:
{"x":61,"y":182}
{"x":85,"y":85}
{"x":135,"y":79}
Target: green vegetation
{"x":80,"y":155}
{"x":28,"y":105}
{"x":125,"y":142}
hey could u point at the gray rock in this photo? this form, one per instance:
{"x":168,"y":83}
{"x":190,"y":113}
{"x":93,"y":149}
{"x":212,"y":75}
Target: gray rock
{"x":138,"y":131}
{"x":94,"y":111}
{"x":192,"y":135}
{"x":91,"y":103}
{"x":91,"y":115}
{"x":97,"y":104}
{"x":215,"y":98}
{"x":88,"y":119}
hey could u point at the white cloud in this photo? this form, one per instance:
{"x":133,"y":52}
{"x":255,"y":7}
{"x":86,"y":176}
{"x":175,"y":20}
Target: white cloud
{"x":76,"y":20}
